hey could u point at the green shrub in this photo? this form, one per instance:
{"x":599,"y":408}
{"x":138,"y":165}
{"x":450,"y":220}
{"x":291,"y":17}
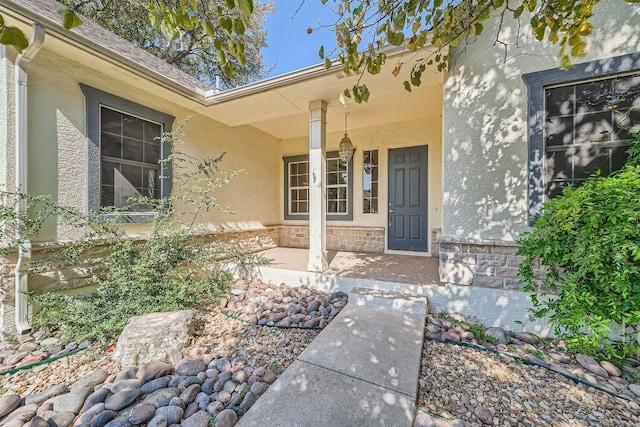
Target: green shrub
{"x":179,"y":264}
{"x":588,"y":242}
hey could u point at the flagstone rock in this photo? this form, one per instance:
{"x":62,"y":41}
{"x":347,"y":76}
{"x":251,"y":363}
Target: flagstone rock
{"x":154,"y":336}
{"x":226,"y":418}
{"x":103,"y":418}
{"x":94,"y":398}
{"x":142,"y":413}
{"x":21,"y":414}
{"x":189,"y":368}
{"x":72,"y":401}
{"x":528,"y":337}
{"x":9,"y":403}
{"x":121,"y":400}
{"x":173,"y":414}
{"x":154,"y":369}
{"x":155,"y":385}
{"x":499,"y":334}
{"x":200,"y":419}
{"x":91,"y":380}
{"x":37,"y":421}
{"x":590,"y":364}
{"x":129,"y":384}
{"x":611,"y":369}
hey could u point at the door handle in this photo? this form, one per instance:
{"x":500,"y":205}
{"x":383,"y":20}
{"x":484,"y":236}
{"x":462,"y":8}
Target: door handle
{"x":391,"y":211}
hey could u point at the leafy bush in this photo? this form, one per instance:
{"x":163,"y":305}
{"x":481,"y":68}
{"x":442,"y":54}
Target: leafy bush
{"x":179,"y":264}
{"x":588,"y":243}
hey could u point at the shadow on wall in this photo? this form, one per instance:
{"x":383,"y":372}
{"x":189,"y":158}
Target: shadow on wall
{"x":485,"y":123}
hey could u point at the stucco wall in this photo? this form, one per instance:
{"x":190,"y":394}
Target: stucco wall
{"x":485,"y":119}
{"x":7,"y":118}
{"x":58,"y":147}
{"x":425,"y":131}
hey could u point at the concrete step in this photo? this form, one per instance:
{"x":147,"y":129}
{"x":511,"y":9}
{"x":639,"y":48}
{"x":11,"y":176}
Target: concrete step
{"x":388,"y":300}
{"x":361,"y":370}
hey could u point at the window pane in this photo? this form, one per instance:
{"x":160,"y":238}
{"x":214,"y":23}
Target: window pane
{"x":627,"y":124}
{"x":130,"y":176}
{"x":132,"y":150}
{"x":595,"y":127}
{"x":110,"y":145}
{"x":594,"y":96}
{"x":332,"y":178}
{"x":374,"y":205}
{"x":106,"y":196}
{"x":132,"y":127}
{"x":303,"y":168}
{"x":107,"y":173}
{"x":303,"y":195}
{"x":590,"y":159}
{"x":559,"y":131}
{"x":151,"y":183}
{"x":559,"y":165}
{"x":559,"y":101}
{"x":151,"y":153}
{"x":619,"y":157}
{"x":151,"y":132}
{"x":110,"y":121}
{"x":303,"y":207}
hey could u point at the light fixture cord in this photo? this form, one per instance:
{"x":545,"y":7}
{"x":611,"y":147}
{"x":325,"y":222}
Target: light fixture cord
{"x":345,"y":123}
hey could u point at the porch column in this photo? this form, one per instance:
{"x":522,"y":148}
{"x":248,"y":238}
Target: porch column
{"x":317,"y":186}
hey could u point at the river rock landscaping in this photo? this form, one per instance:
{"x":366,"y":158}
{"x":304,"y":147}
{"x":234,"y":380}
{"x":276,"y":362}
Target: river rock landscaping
{"x":513,"y":379}
{"x":510,"y":379}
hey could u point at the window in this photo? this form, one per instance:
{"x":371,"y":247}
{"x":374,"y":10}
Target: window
{"x":338,"y":184}
{"x":580,"y":121}
{"x":124,"y":154}
{"x":587,"y":128}
{"x":299,"y":187}
{"x":129,"y":159}
{"x":370,"y":181}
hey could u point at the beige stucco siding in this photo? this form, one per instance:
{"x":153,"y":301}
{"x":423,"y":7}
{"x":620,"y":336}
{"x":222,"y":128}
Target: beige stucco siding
{"x":58,"y":144}
{"x":425,"y":131}
{"x":7,"y":119}
{"x":485,"y":120}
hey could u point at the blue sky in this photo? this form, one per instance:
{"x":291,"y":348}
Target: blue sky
{"x":290,"y":47}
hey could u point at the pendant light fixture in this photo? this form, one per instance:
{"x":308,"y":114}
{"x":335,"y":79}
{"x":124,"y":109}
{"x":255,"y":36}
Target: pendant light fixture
{"x":345,"y":149}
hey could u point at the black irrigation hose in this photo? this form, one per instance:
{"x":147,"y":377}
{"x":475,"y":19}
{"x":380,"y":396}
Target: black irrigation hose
{"x":42,"y":362}
{"x":531,"y":363}
{"x":230,"y":316}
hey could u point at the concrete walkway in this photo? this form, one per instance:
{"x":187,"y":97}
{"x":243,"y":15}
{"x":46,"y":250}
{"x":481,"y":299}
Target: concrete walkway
{"x":361,"y":370}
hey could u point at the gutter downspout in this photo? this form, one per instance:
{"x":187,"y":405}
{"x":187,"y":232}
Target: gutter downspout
{"x":24,"y":247}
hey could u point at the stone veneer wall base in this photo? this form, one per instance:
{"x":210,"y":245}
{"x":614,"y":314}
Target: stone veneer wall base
{"x":486,"y":263}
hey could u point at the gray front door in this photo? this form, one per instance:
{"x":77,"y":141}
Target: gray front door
{"x":408,"y":199}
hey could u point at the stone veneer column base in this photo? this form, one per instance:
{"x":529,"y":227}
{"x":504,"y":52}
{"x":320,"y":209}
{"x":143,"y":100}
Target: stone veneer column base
{"x":486,"y":263}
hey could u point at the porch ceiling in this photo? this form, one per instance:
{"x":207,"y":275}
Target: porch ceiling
{"x":283,"y":110}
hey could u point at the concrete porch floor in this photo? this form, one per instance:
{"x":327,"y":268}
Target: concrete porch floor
{"x":408,"y":274}
{"x":409,"y":269}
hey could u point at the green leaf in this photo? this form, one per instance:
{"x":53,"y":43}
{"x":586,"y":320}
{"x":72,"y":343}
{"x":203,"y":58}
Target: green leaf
{"x":211,"y":31}
{"x":226,"y":24}
{"x":12,"y":36}
{"x":246,"y":7}
{"x":498,"y":3}
{"x":230,"y":4}
{"x":70,"y":19}
{"x":153,"y":20}
{"x":321,"y":52}
{"x":407,"y":86}
{"x":238,"y":26}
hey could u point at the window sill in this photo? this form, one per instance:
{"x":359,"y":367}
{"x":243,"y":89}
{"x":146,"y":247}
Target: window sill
{"x":129,"y":217}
